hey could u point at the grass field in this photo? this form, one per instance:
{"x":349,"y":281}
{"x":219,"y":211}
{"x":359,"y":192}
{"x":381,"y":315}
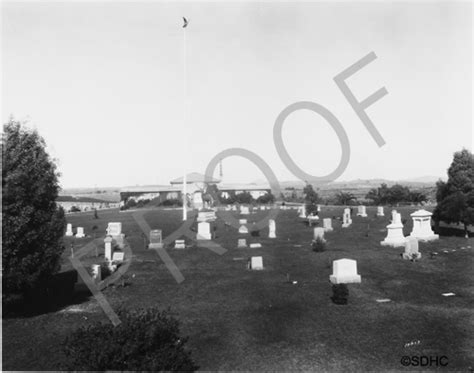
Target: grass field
{"x":255,"y":320}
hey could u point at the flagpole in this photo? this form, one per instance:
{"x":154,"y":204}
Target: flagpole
{"x":185,"y":96}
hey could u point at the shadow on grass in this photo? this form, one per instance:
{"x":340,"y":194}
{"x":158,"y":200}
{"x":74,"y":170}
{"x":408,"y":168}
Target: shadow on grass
{"x":58,"y":293}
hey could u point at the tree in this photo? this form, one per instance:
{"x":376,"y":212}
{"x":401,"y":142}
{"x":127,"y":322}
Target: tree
{"x":266,"y":198}
{"x":145,"y":340}
{"x":33,"y":224}
{"x":456,"y":197}
{"x":311,"y":199}
{"x":344,"y":198}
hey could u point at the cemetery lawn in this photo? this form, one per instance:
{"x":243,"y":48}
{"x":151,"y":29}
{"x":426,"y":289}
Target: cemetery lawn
{"x":238,"y":319}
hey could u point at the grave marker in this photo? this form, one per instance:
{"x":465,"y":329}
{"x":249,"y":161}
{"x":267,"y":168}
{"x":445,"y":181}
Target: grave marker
{"x":344,"y":271}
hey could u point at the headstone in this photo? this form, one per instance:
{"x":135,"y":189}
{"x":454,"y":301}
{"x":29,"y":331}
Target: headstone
{"x":396,"y":217}
{"x":346,"y":218}
{"x":422,"y":226}
{"x":243,"y":229}
{"x":344,"y":271}
{"x":197,"y":201}
{"x":271,"y":228}
{"x":302,"y":212}
{"x":69,"y":232}
{"x":241,"y":243}
{"x":244,"y":210}
{"x":234,"y":208}
{"x":327,"y":224}
{"x":96,"y":272}
{"x":262,"y":208}
{"x":204,"y":231}
{"x":411,"y":249}
{"x":318,"y":208}
{"x":361,"y":211}
{"x":179,"y":244}
{"x":395,"y":237}
{"x":380,"y":211}
{"x":108,"y":248}
{"x":312,"y":219}
{"x":118,"y":256}
{"x":206,"y":216}
{"x":318,"y":232}
{"x":242,"y":221}
{"x":80,"y":232}
{"x":255,"y":245}
{"x":256,"y":263}
{"x":114,"y":229}
{"x":156,"y":239}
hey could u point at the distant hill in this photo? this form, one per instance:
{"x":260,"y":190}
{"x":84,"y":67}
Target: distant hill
{"x":109,"y":194}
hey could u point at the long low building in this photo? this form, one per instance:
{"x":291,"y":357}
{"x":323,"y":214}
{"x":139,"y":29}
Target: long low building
{"x":195,"y":187}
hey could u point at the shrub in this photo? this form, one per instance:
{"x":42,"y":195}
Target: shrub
{"x":74,"y":209}
{"x":146,"y":340}
{"x":318,"y":245}
{"x":266,"y":198}
{"x":340,"y":293}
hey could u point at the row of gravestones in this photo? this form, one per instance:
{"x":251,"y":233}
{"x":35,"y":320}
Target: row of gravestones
{"x":79,"y":231}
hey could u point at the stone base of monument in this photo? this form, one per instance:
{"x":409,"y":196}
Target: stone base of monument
{"x":349,"y":279}
{"x":345,"y":225}
{"x":394,"y":242}
{"x":155,"y":245}
{"x":431,"y":237}
{"x":203,"y":236}
{"x":362,"y":215}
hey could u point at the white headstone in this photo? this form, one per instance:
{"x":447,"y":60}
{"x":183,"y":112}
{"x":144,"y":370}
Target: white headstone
{"x":346,"y":218}
{"x":271,"y":229}
{"x":318,"y":232}
{"x":243,"y":229}
{"x":255,"y":245}
{"x":69,"y":232}
{"x":114,"y":229}
{"x":256,"y":263}
{"x":118,"y":256}
{"x":80,"y":232}
{"x":411,"y":249}
{"x":96,"y":272}
{"x":244,"y":210}
{"x":344,"y":271}
{"x":108,"y":248}
{"x":318,"y":208}
{"x":380,"y":211}
{"x":242,"y":221}
{"x":303,"y":211}
{"x":234,"y":208}
{"x":179,"y":244}
{"x":204,"y":231}
{"x":156,"y":239}
{"x":422,"y":226}
{"x":361,"y":211}
{"x":395,"y":237}
{"x":262,"y":208}
{"x":241,"y":243}
{"x":327,"y":224}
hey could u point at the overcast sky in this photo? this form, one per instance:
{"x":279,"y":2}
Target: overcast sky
{"x":103,"y":84}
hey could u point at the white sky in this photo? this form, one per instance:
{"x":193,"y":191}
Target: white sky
{"x":103,"y":84}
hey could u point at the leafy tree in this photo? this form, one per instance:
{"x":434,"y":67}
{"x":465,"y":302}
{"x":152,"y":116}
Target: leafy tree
{"x":456,"y":197}
{"x":266,"y":198}
{"x":145,"y":340}
{"x":344,"y":198}
{"x":417,"y":196}
{"x":244,"y":197}
{"x":311,"y":199}
{"x":33,"y":224}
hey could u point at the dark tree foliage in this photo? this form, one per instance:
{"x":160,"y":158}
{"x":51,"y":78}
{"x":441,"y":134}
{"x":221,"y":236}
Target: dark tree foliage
{"x":33,"y":224}
{"x":397,"y":193}
{"x":344,"y":198}
{"x":145,"y":340}
{"x":244,"y":197}
{"x":456,"y":196}
{"x":266,"y":198}
{"x":311,"y":199}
